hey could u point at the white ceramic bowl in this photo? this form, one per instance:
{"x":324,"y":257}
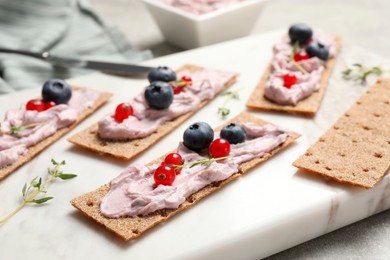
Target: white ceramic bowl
{"x":189,"y":31}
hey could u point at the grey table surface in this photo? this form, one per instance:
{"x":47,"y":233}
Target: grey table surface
{"x":360,"y":22}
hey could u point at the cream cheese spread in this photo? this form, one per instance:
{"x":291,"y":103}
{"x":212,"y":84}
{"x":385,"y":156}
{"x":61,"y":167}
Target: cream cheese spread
{"x":145,"y":120}
{"x":47,"y":122}
{"x":307,"y":84}
{"x":199,"y":7}
{"x":132,"y":193}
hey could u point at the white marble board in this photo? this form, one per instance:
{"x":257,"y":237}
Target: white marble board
{"x":270,"y":209}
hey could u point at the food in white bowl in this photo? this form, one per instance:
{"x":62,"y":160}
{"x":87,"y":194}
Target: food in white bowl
{"x":189,"y":30}
{"x":199,"y":7}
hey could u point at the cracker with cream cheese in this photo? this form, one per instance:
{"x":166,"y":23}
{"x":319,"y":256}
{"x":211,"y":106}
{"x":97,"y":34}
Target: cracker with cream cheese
{"x":129,"y":228}
{"x":306,"y":107}
{"x":34,"y":150}
{"x":89,"y":138}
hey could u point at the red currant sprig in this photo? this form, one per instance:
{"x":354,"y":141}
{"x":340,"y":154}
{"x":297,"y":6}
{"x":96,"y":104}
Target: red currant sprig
{"x":289,"y":80}
{"x":39,"y":105}
{"x":123,"y":111}
{"x":178,"y":85}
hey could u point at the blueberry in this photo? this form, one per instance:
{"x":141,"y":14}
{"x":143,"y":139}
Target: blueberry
{"x":161,"y":74}
{"x":56,"y":90}
{"x":234,"y":133}
{"x":300,"y":33}
{"x":159,"y":95}
{"x":198,"y":136}
{"x":316,"y":49}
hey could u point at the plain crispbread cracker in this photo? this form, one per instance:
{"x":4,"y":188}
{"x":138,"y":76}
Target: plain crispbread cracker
{"x":32,"y":151}
{"x":307,"y":106}
{"x":356,"y":149}
{"x":132,"y":227}
{"x":126,"y":150}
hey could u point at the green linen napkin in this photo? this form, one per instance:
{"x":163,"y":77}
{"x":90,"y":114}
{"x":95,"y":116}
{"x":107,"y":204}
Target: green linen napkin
{"x":69,"y":28}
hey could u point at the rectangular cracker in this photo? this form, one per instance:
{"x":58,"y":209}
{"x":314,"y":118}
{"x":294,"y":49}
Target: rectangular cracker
{"x":36,"y":149}
{"x":132,"y":227}
{"x":306,"y":107}
{"x":356,"y":149}
{"x":126,"y":150}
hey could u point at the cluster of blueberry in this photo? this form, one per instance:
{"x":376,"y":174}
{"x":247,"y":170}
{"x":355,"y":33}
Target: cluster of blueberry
{"x":159,"y":94}
{"x":197,"y":137}
{"x":303,"y":34}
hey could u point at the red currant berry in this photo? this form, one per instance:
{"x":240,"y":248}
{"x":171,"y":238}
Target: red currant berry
{"x":219,"y":148}
{"x":174,"y":159}
{"x":164,"y":175}
{"x":176,"y":88}
{"x":289,"y":80}
{"x":123,"y":111}
{"x":49,"y":104}
{"x":36,"y":105}
{"x":301,"y":56}
{"x":187,"y":79}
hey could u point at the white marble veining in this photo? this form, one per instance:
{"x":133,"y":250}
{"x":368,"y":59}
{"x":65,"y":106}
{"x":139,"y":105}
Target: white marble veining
{"x":270,"y":209}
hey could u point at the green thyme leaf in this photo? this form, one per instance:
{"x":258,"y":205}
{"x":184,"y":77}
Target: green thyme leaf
{"x":66,"y":176}
{"x":24,"y":190}
{"x":41,"y":200}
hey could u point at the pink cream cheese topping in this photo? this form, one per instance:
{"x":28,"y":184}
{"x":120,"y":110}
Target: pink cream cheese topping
{"x":145,"y":120}
{"x":47,"y":122}
{"x":132,"y":192}
{"x":199,"y":7}
{"x":306,"y":84}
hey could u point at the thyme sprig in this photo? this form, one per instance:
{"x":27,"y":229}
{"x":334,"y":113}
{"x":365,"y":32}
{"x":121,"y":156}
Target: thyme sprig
{"x":224,"y":111}
{"x":204,"y":162}
{"x":296,"y":64}
{"x":359,"y":73}
{"x":36,"y":187}
{"x":14,"y":130}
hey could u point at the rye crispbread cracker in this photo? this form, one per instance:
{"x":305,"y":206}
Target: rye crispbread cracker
{"x":126,"y":150}
{"x":36,"y":149}
{"x":305,"y":107}
{"x":356,"y":149}
{"x":132,"y":227}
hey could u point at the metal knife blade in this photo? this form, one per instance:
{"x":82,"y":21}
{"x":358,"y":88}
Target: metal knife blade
{"x":109,"y":67}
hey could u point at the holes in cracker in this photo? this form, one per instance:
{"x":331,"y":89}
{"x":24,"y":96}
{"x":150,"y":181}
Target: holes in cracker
{"x":190,"y":199}
{"x":317,"y":162}
{"x":336,"y":127}
{"x":322,"y":140}
{"x":365,"y":170}
{"x":347,"y":115}
{"x":102,"y":143}
{"x":354,"y":141}
{"x":328,"y":168}
{"x":358,"y":103}
{"x":366,"y":128}
{"x":377,"y":115}
{"x":216,"y":184}
{"x":93,"y":131}
{"x":308,"y":154}
{"x":90,"y":203}
{"x":136,"y":231}
{"x":386,"y":102}
{"x":341,"y":154}
{"x":378,"y":155}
